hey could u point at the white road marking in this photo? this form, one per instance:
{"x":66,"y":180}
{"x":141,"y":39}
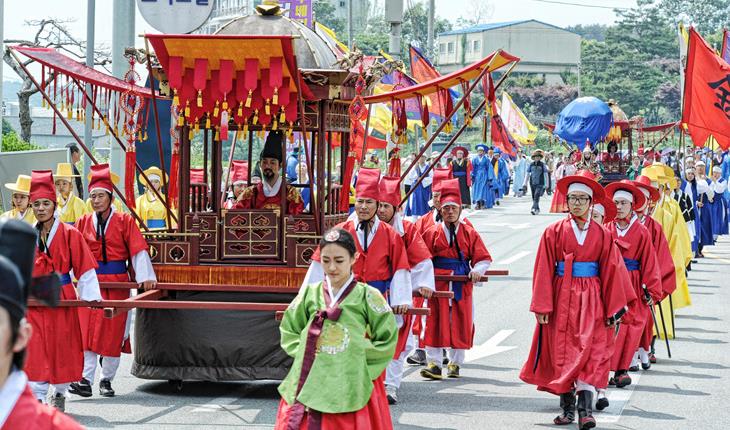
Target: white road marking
{"x":514,"y":258}
{"x":490,"y":347}
{"x":618,"y":398}
{"x":513,"y":226}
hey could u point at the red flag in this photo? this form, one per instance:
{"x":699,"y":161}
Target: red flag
{"x":500,"y":136}
{"x":706,"y":93}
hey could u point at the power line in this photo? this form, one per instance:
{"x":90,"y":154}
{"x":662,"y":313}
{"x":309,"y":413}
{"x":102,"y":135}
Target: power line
{"x":566,"y":3}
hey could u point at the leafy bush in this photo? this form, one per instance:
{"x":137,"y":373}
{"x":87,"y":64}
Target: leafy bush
{"x":13,"y":143}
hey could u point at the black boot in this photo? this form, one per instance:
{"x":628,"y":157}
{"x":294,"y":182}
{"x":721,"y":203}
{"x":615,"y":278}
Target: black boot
{"x":585,"y":410}
{"x":567,"y":404}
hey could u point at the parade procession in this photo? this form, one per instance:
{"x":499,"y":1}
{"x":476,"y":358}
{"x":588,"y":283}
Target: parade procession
{"x":262,"y":218}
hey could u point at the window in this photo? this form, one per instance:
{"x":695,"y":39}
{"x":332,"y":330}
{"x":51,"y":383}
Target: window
{"x":468,"y":47}
{"x":477,"y":46}
{"x":342,"y":4}
{"x":442,"y":48}
{"x":450,"y":47}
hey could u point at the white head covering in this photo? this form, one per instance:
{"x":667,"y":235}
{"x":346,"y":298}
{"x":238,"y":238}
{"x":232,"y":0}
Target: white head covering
{"x":583,"y":188}
{"x":623,"y":194}
{"x":598,"y":207}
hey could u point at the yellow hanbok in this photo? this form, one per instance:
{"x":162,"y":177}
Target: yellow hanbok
{"x":71,"y":208}
{"x":14,"y":213}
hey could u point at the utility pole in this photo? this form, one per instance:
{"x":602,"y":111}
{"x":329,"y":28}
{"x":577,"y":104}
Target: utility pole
{"x":90,"y":17}
{"x":430,"y":29}
{"x":122,"y":37}
{"x":394,"y":16}
{"x":350,"y":30}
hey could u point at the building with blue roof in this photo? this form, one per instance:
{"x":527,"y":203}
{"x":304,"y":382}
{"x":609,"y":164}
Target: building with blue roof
{"x":544,"y":49}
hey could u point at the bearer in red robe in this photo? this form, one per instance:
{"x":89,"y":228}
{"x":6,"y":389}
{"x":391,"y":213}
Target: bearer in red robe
{"x":667,"y":272}
{"x":457,"y":249}
{"x":19,"y":409}
{"x":265,"y":194}
{"x":55,"y":352}
{"x":419,"y":260}
{"x":115,"y":239}
{"x":634,"y":241}
{"x":577,"y":289}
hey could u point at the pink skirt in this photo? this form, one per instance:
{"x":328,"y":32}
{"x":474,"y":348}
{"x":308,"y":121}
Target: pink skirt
{"x":375,"y":415}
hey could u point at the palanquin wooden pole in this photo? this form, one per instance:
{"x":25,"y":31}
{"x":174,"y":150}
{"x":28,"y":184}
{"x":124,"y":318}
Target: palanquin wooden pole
{"x":313,"y":200}
{"x":70,"y":129}
{"x":451,"y":115}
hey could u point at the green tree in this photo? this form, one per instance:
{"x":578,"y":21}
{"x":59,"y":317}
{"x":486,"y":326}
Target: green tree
{"x":324,"y":12}
{"x":7,"y":128}
{"x":415,"y":28}
{"x":13,"y":143}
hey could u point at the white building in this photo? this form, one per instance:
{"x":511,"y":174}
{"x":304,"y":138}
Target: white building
{"x":543,"y":49}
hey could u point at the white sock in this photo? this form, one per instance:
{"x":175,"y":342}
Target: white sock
{"x":643,"y":355}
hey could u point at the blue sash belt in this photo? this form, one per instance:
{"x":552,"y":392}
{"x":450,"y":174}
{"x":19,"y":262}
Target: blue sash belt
{"x":581,"y":269}
{"x":459,"y":267}
{"x":382,"y":286}
{"x":111,"y":267}
{"x":70,"y":223}
{"x":459,"y":173}
{"x":65,"y":278}
{"x":156,"y":223}
{"x":632,"y":264}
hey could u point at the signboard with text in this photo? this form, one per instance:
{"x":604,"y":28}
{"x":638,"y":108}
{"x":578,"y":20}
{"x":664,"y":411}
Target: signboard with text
{"x":299,"y":10}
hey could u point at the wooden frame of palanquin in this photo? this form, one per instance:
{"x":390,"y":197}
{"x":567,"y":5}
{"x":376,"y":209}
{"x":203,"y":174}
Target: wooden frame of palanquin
{"x":213,"y":249}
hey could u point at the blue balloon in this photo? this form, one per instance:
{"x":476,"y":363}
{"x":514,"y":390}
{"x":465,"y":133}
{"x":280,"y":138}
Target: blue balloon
{"x":585,"y":118}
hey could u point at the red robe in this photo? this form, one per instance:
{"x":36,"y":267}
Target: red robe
{"x":574,"y":339}
{"x":635,"y":245}
{"x":29,"y":413}
{"x":667,"y":274}
{"x":55,"y":351}
{"x":105,"y":336}
{"x":254,"y":198}
{"x":451,"y":322}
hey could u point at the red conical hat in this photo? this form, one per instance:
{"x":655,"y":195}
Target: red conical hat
{"x":101,"y":178}
{"x":460,"y":148}
{"x":450,"y":192}
{"x":389,"y":190}
{"x":585,"y":177}
{"x":628,"y":186}
{"x":42,"y":185}
{"x":644,"y":182}
{"x":440,"y":174}
{"x":367,"y":184}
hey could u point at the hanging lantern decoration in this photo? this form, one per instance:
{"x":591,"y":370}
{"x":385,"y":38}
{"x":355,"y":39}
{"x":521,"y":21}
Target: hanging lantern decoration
{"x":131,"y":104}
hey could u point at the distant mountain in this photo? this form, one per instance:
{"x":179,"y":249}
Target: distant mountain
{"x":10,"y":93}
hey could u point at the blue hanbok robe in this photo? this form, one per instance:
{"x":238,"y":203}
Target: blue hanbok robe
{"x":705,"y":223}
{"x":503,"y":177}
{"x":520,"y":170}
{"x":482,"y":176}
{"x":718,"y":208}
{"x":418,"y":201}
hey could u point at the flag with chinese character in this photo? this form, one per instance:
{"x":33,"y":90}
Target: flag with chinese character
{"x":725,"y":53}
{"x":706,"y":93}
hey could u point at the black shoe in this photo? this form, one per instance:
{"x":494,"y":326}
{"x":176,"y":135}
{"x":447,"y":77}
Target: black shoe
{"x":105,"y":388}
{"x":452,"y":371}
{"x":612,"y":381}
{"x":567,"y":404}
{"x":646,"y":366}
{"x":634,"y":368}
{"x":585,"y":410}
{"x":532,"y":211}
{"x":622,"y":380}
{"x":433,"y":371}
{"x":418,"y":358}
{"x":445,"y":360}
{"x":602,"y":403}
{"x":81,"y":388}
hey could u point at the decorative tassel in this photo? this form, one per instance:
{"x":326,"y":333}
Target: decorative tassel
{"x":274,"y":125}
{"x":180,"y":121}
{"x":175,"y":98}
{"x":267,"y":108}
{"x":248,"y":98}
{"x":217,"y":137}
{"x":240,"y":109}
{"x":200,"y":98}
{"x":245,"y":129}
{"x":225,"y":103}
{"x":282,"y":116}
{"x":255,"y":120}
{"x":207,"y":121}
{"x":224,"y":125}
{"x":190,"y":134}
{"x":187,"y":109}
{"x":129,"y":177}
{"x":215,"y":109}
{"x":196,"y":127}
{"x":275,"y":98}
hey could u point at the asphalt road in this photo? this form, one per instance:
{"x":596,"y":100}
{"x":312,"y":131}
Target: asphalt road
{"x":682,"y":393}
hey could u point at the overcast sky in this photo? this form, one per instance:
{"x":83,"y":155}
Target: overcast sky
{"x":550,"y":11}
